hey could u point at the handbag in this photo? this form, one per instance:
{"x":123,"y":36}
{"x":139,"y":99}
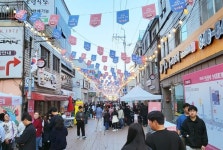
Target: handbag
{"x":115,"y":119}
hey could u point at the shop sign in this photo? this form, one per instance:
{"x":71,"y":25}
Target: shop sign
{"x":208,"y":36}
{"x":168,"y":63}
{"x":46,"y":79}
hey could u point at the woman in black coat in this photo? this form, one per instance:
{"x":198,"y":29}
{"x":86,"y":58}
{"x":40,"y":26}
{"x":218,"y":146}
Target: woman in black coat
{"x":58,"y":136}
{"x":135,"y":138}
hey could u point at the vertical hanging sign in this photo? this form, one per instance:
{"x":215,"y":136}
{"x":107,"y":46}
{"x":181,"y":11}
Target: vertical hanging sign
{"x":72,"y":40}
{"x":87,"y":46}
{"x":73,"y":20}
{"x":100,"y":50}
{"x":95,"y":20}
{"x":123,"y":16}
{"x":53,"y":20}
{"x":149,"y":11}
{"x":177,"y":5}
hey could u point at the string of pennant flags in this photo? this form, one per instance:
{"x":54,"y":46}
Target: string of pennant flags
{"x":122,"y":17}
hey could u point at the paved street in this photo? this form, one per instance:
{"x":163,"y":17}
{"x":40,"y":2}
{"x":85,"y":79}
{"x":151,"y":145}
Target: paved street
{"x":99,"y":140}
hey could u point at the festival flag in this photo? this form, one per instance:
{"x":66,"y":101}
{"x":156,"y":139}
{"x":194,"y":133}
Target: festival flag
{"x":93,"y":57}
{"x":97,"y":65}
{"x":73,"y":55}
{"x":177,"y":6}
{"x":143,"y":59}
{"x":100,"y":50}
{"x":73,"y":20}
{"x":56,"y":33}
{"x":134,"y":57}
{"x":63,"y":51}
{"x":190,"y":2}
{"x":72,"y":40}
{"x":115,"y":60}
{"x":53,"y":20}
{"x":119,"y":71}
{"x":95,"y":20}
{"x":123,"y":56}
{"x":123,"y":16}
{"x":112,"y":70}
{"x":112,"y":53}
{"x":21,"y":15}
{"x":104,"y":58}
{"x":127,"y":60}
{"x":39,"y":25}
{"x":105,"y":68}
{"x":80,"y":60}
{"x":87,"y":46}
{"x":35,"y":16}
{"x":83,"y":55}
{"x":149,"y":11}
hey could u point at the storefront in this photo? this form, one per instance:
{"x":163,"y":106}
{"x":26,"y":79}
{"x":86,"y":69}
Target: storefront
{"x":195,"y":69}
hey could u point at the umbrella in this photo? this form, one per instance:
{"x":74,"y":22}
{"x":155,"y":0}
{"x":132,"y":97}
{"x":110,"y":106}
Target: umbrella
{"x":70,"y":106}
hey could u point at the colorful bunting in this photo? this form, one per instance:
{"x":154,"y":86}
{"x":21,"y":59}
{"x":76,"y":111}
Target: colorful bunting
{"x":177,"y":6}
{"x":35,"y":16}
{"x":123,"y":16}
{"x":21,"y":14}
{"x":72,"y":40}
{"x":93,"y":57}
{"x":73,"y":20}
{"x":63,"y":51}
{"x":39,"y":25}
{"x":95,"y":20}
{"x":73,"y":54}
{"x":53,"y":20}
{"x":112,"y":53}
{"x":56,"y":33}
{"x":100,"y":50}
{"x":149,"y":11}
{"x":104,"y":58}
{"x":115,"y":60}
{"x":190,"y":2}
{"x":83,"y":55}
{"x":87,"y":46}
{"x":127,"y":60}
{"x":123,"y":56}
{"x":105,"y":68}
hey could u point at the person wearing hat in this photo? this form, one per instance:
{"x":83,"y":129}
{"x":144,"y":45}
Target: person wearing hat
{"x":80,"y":117}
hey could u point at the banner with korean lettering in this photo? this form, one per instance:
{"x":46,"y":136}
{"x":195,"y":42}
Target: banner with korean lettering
{"x":56,"y":33}
{"x":115,"y":60}
{"x":149,"y":11}
{"x":39,"y":25}
{"x":100,"y":50}
{"x":21,"y":15}
{"x":93,"y":57}
{"x":73,"y":20}
{"x":72,"y":40}
{"x":123,"y":16}
{"x":112,"y":53}
{"x":83,"y":55}
{"x":104,"y":58}
{"x":35,"y":16}
{"x":45,"y":7}
{"x":54,"y":19}
{"x":87,"y":46}
{"x":95,"y":20}
{"x":177,"y":5}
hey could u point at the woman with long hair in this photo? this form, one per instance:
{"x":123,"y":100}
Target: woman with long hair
{"x":135,"y":138}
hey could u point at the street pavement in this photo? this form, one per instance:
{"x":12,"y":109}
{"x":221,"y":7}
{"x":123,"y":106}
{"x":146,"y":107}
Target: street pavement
{"x":96,"y":140}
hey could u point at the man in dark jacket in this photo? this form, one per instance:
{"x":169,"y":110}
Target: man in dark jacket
{"x":80,"y":117}
{"x":27,"y":141}
{"x":194,"y":130}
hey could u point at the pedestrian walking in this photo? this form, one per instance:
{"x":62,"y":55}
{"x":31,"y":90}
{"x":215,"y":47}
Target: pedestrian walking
{"x":121,"y":117}
{"x":162,"y":138}
{"x":115,"y":120}
{"x":135,"y":138}
{"x":37,"y":123}
{"x":99,"y":115}
{"x":182,"y":117}
{"x":194,"y":131}
{"x":80,"y":117}
{"x":27,"y":140}
{"x":2,"y":135}
{"x":106,"y":116}
{"x":46,"y":132}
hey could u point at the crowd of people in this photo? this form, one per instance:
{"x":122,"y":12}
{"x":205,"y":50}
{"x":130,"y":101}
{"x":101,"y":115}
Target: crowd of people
{"x":49,"y":132}
{"x":33,"y":132}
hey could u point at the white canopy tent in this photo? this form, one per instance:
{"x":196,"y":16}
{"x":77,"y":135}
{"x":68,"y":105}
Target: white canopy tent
{"x":137,"y":93}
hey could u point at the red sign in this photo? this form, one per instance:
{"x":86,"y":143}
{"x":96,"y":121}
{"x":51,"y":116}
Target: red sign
{"x":15,"y":61}
{"x":105,"y":68}
{"x":72,"y":40}
{"x":5,"y":101}
{"x":149,"y":11}
{"x":88,"y":63}
{"x":104,"y":58}
{"x":127,"y":60}
{"x":31,"y":107}
{"x":83,"y":55}
{"x":95,"y":20}
{"x":20,"y":14}
{"x":53,"y":20}
{"x":100,"y":50}
{"x":39,"y":25}
{"x":123,"y":56}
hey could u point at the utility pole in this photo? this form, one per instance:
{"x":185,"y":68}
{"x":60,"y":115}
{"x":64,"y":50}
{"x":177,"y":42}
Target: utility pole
{"x":123,"y":38}
{"x":31,"y":45}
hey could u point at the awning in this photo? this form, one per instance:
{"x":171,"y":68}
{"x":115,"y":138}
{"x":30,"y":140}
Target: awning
{"x":48,"y":97}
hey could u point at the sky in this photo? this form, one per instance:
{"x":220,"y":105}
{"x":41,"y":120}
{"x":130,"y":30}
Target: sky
{"x":102,"y":35}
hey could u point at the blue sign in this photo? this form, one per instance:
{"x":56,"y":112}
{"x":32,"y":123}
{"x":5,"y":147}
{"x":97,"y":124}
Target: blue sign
{"x":80,"y":60}
{"x":35,"y":16}
{"x":123,"y":16}
{"x":73,"y":54}
{"x":112,"y":53}
{"x":73,"y":20}
{"x":115,"y":59}
{"x":97,"y":65}
{"x":23,"y":18}
{"x":112,"y":70}
{"x":87,"y":46}
{"x":93,"y":57}
{"x":56,"y":33}
{"x":134,"y":57}
{"x":177,"y":5}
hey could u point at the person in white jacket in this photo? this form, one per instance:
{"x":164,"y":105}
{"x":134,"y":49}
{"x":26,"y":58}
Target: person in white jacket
{"x":121,"y":117}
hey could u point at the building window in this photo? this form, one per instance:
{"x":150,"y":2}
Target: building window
{"x":45,"y":54}
{"x":56,"y":63}
{"x":183,"y":32}
{"x":209,"y":8}
{"x":177,"y":37}
{"x":154,"y":34}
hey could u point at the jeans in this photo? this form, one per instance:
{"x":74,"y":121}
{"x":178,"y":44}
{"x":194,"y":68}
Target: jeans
{"x":38,"y":140}
{"x":121,"y":122}
{"x":106,"y":125}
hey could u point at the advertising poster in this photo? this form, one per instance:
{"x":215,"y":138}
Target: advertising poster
{"x":204,"y":89}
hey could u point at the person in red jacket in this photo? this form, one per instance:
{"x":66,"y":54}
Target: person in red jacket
{"x":37,"y":123}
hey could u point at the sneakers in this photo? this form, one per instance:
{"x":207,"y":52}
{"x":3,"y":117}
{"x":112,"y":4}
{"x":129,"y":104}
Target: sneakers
{"x":84,"y":137}
{"x":78,"y":137}
{"x":114,"y":130}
